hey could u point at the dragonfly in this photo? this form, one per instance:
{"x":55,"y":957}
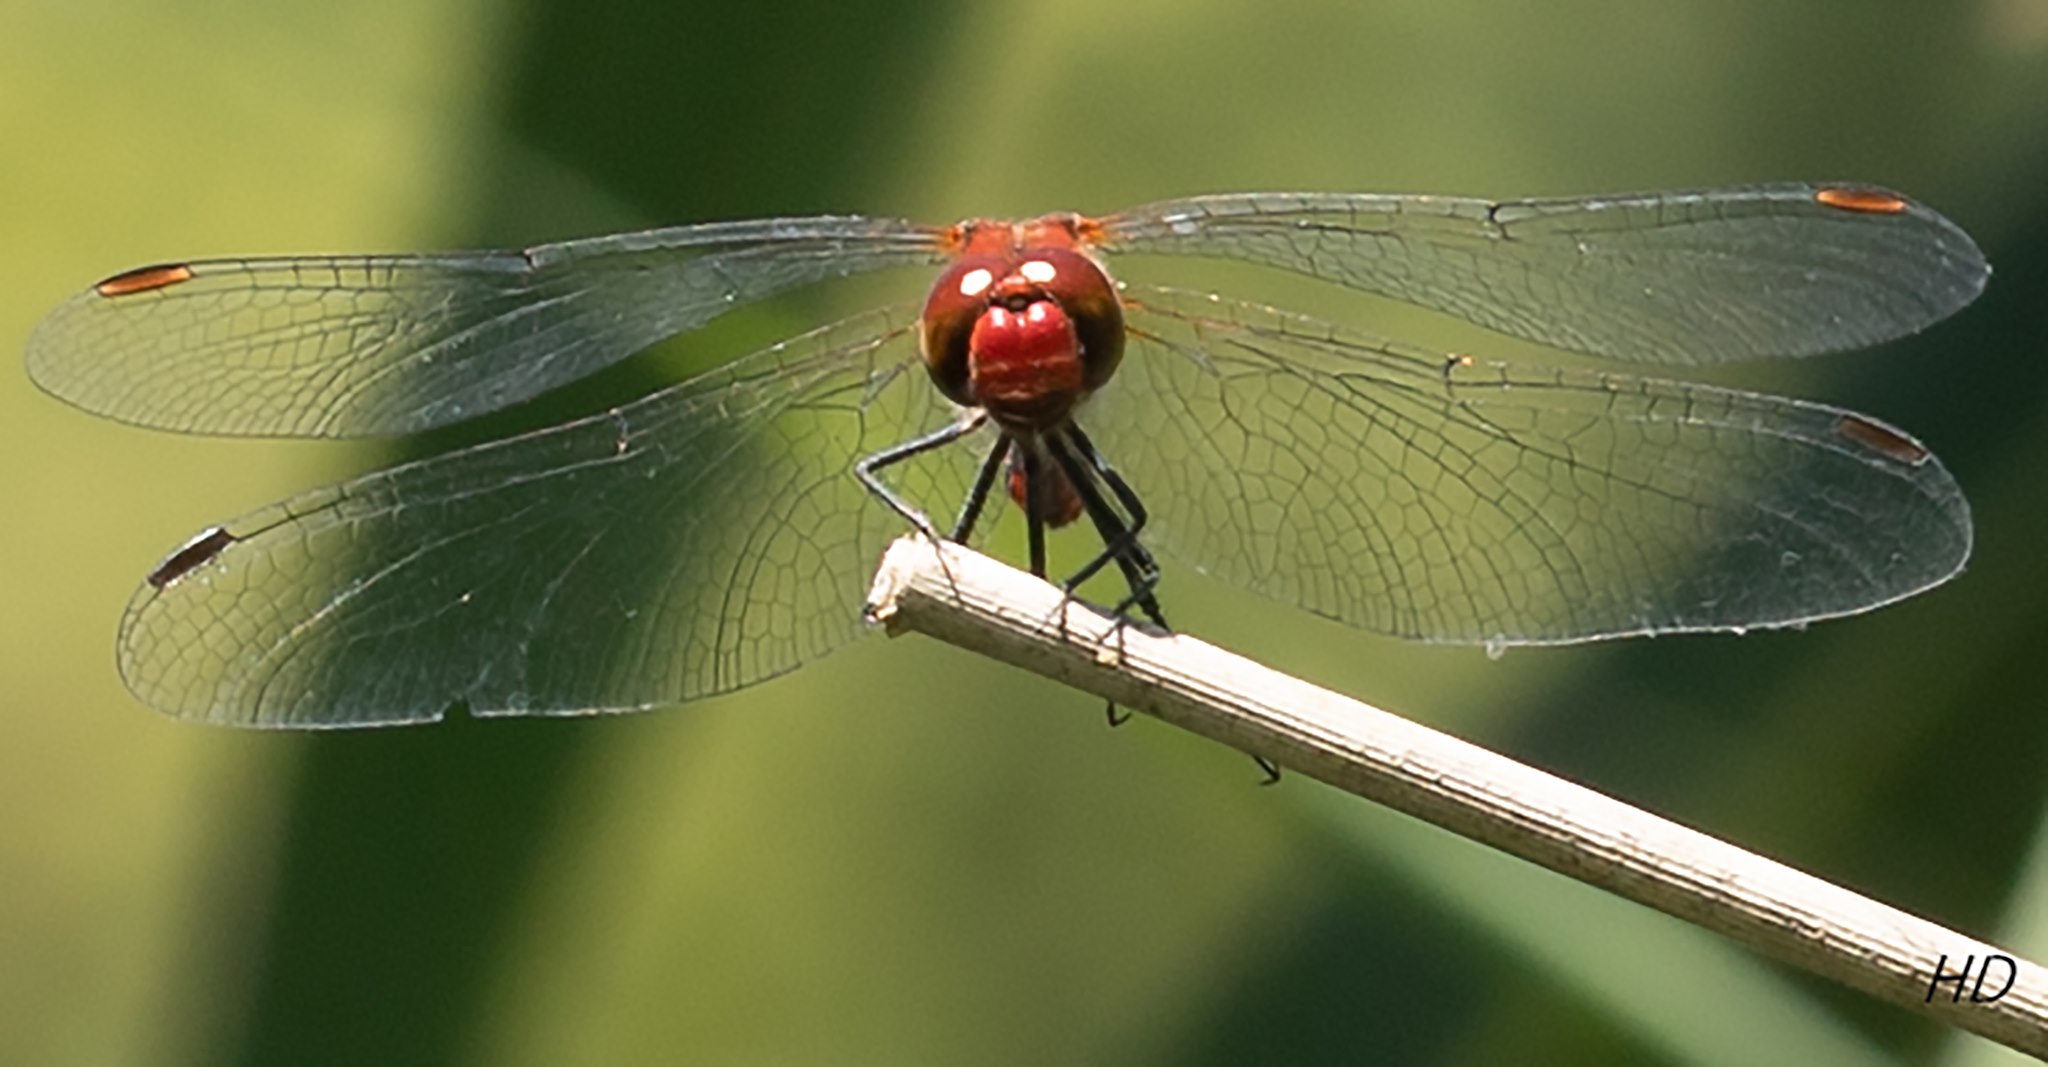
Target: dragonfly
{"x":719,"y":532}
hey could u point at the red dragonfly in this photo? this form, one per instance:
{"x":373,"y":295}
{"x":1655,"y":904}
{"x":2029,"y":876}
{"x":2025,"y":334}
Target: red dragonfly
{"x":720,"y":531}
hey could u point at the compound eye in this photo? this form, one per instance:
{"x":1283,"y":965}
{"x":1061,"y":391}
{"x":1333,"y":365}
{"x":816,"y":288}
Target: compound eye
{"x":956,"y":301}
{"x":1083,"y":290}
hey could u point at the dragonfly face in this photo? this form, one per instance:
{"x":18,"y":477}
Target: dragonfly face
{"x":711,"y":535}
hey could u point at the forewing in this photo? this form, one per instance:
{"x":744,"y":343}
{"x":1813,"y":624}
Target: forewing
{"x":698,"y":540}
{"x":1454,"y":499}
{"x":336,"y":346}
{"x":1675,"y":277}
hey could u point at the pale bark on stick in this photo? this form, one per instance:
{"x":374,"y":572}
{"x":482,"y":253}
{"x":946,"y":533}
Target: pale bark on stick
{"x":979,"y":604}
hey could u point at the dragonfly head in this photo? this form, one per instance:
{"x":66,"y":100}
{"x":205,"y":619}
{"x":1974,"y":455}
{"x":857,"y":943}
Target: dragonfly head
{"x":1025,"y":331}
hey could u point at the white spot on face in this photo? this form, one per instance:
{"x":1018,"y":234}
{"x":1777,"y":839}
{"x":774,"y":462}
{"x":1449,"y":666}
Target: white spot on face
{"x":976,"y":281}
{"x":1038,"y":271}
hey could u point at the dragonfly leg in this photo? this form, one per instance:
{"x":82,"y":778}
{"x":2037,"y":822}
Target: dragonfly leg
{"x":1121,"y":541}
{"x":868,"y":467}
{"x":1120,"y":537}
{"x":1035,"y":504}
{"x":1120,"y":544}
{"x":977,"y":497}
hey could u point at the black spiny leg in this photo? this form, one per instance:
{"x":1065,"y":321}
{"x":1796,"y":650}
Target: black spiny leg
{"x":865,"y":469}
{"x":977,"y":497}
{"x":1140,"y":571}
{"x":1119,"y":538}
{"x":1120,"y":544}
{"x":1034,"y":504}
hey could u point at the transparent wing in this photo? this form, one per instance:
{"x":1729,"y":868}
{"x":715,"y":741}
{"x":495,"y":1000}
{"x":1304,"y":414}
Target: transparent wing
{"x":335,"y":346}
{"x":1678,"y":277}
{"x":1450,"y":499}
{"x":698,"y":540}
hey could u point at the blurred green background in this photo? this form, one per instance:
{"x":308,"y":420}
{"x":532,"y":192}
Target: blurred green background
{"x":901,"y":854}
